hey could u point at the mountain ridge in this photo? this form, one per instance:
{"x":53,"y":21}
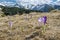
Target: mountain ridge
{"x":32,"y":4}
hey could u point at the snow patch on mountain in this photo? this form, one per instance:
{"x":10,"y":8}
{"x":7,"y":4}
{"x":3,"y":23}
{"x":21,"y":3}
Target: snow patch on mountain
{"x":30,"y":4}
{"x":33,"y":3}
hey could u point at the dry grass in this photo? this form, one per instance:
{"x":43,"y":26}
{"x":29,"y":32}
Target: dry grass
{"x":26,"y":29}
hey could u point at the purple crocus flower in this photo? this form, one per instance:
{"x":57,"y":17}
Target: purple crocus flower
{"x":44,"y":19}
{"x":10,"y":23}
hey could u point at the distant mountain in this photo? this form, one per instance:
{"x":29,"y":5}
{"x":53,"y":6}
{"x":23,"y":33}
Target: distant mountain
{"x":43,"y":8}
{"x":57,"y":7}
{"x":9,"y":4}
{"x":39,"y":5}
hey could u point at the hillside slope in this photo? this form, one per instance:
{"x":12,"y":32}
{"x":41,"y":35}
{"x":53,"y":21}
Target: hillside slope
{"x":25,"y":29}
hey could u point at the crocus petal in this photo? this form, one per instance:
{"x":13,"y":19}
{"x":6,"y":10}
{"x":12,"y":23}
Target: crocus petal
{"x":40,"y":20}
{"x":45,"y":19}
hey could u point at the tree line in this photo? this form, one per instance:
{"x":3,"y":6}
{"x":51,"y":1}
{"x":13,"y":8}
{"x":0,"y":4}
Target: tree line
{"x":16,"y":10}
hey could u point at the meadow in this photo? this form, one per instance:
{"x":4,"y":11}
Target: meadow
{"x":27,"y":27}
